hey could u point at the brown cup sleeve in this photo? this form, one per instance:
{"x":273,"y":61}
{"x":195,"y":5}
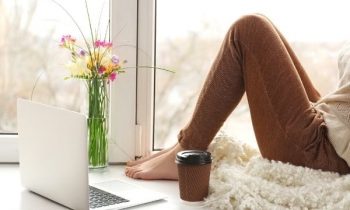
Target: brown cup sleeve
{"x":194,"y":181}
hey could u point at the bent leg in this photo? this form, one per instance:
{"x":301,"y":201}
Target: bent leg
{"x":278,"y":101}
{"x":225,"y":84}
{"x":256,"y":58}
{"x":279,"y":92}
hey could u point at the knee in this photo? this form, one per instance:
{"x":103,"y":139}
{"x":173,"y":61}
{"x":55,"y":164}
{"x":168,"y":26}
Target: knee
{"x":250,"y":24}
{"x":251,"y":19}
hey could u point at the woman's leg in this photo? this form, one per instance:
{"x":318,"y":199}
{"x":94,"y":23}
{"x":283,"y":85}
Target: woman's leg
{"x":312,"y":93}
{"x":252,"y":48}
{"x":256,"y":56}
{"x":255,"y":59}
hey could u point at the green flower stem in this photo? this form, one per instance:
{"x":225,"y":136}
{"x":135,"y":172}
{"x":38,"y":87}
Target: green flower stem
{"x":98,"y":122}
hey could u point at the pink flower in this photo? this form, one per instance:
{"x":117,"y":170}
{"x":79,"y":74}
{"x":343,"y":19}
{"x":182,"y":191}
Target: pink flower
{"x":108,"y":44}
{"x":112,"y":76}
{"x":99,"y":43}
{"x":67,"y":40}
{"x":101,"y":70}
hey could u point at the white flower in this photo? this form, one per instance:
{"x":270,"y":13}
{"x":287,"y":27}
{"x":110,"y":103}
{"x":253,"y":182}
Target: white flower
{"x":78,"y":68}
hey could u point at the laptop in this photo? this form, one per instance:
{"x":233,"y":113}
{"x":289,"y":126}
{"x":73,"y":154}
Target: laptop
{"x":54,"y":162}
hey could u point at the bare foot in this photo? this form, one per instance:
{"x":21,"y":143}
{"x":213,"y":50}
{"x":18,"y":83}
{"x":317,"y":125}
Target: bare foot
{"x":162,"y":166}
{"x":136,"y":162}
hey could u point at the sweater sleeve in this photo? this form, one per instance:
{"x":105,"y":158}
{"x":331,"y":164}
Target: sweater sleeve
{"x":344,"y":65}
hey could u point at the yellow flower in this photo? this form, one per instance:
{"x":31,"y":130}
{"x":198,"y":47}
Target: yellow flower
{"x":79,"y":68}
{"x":107,"y":62}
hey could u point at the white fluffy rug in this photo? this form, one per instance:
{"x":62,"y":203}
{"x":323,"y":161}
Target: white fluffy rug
{"x":242,"y":179}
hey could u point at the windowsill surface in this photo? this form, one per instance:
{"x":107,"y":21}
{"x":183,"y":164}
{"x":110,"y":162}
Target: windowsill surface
{"x":15,"y":197}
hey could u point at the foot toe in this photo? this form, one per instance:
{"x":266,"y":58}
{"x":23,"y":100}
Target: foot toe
{"x":133,"y":172}
{"x":129,"y":171}
{"x":141,"y":175}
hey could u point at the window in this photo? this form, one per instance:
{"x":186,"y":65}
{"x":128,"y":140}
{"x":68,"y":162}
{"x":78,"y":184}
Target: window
{"x":190,"y":33}
{"x":33,"y":65}
{"x":180,"y":35}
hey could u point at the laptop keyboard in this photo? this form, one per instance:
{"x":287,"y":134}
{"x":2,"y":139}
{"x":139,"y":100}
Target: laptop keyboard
{"x":100,"y":198}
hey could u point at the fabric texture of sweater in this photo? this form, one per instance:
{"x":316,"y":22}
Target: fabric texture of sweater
{"x":335,"y":108}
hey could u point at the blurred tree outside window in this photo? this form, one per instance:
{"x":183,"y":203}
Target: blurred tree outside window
{"x":189,"y":34}
{"x":30,"y":31}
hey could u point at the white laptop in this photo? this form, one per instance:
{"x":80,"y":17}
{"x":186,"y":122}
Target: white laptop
{"x":53,"y":161}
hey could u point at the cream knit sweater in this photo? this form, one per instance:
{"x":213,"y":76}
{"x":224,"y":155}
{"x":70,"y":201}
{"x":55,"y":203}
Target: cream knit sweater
{"x":335,"y":108}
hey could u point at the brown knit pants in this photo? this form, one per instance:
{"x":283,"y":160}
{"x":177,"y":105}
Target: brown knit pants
{"x":255,"y":58}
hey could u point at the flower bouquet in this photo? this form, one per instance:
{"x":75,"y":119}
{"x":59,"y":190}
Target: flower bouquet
{"x":97,"y":67}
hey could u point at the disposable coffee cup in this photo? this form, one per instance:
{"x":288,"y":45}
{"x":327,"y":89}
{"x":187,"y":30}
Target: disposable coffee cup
{"x":194,"y":173}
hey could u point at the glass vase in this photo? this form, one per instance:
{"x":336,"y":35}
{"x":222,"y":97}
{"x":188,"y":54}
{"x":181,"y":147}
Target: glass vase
{"x":98,"y":122}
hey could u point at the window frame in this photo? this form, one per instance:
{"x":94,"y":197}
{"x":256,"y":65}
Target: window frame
{"x":134,"y":22}
{"x":146,"y":76}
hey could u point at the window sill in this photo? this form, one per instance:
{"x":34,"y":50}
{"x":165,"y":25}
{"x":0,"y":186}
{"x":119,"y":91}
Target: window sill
{"x":19,"y":198}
